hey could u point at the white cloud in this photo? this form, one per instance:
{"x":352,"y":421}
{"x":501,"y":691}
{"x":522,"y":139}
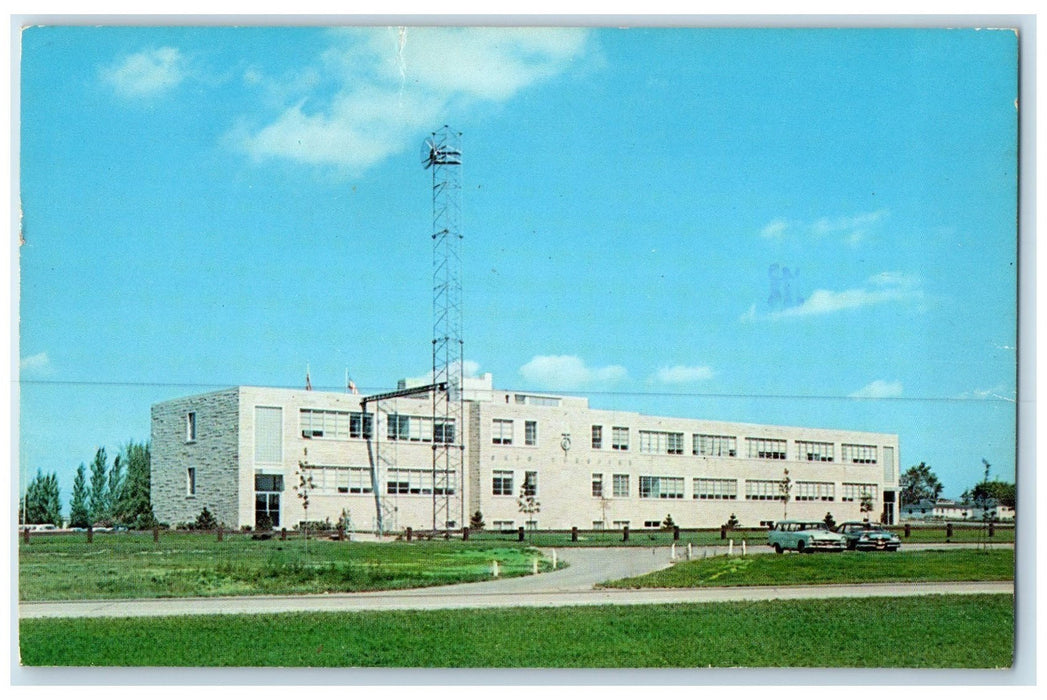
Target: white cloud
{"x":1000,"y":392}
{"x":392,"y":86}
{"x":879,"y":389}
{"x":774,"y":230}
{"x":147,"y":73}
{"x":680,"y":374}
{"x":883,"y":288}
{"x":568,"y":371}
{"x":38,"y":364}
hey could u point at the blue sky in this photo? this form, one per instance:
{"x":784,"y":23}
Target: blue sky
{"x":801,"y":227}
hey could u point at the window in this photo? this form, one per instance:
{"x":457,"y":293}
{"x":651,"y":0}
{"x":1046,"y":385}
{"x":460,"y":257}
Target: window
{"x":765,"y":448}
{"x":815,"y":491}
{"x":661,"y":487}
{"x":714,"y":445}
{"x":621,"y":485}
{"x":502,"y":524}
{"x":501,"y":432}
{"x":531,"y":432}
{"x":268,"y":434}
{"x":190,"y":426}
{"x":502,"y":483}
{"x":598,"y":485}
{"x":619,"y":524}
{"x":619,"y":438}
{"x":716,"y":489}
{"x":418,"y":429}
{"x":859,"y":454}
{"x":815,"y":451}
{"x":269,"y":482}
{"x":317,"y":423}
{"x":652,"y":523}
{"x":333,"y":480}
{"x":598,"y":525}
{"x":531,"y":400}
{"x":190,"y":481}
{"x":652,"y":442}
{"x":530,"y":484}
{"x":361,"y":425}
{"x":419,"y":482}
{"x":597,"y":437}
{"x":888,"y":465}
{"x":763,"y":490}
{"x":854,"y":492}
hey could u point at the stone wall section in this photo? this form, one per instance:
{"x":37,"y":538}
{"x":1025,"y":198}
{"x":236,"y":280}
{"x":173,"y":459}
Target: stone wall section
{"x":214,"y":454}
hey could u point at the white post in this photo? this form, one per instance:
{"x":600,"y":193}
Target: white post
{"x":688,"y":551}
{"x":494,"y":568}
{"x":730,"y":548}
{"x":554,"y":560}
{"x":534,"y":565}
{"x":672,"y":553}
{"x":743,"y":548}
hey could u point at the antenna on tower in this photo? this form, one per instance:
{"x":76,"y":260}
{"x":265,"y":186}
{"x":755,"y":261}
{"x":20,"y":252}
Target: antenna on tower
{"x":442,"y":154}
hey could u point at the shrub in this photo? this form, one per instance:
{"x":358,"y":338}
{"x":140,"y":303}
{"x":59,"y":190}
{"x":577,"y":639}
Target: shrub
{"x":205,"y":521}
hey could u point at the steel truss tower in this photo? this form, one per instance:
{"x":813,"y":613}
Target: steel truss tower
{"x":442,"y":154}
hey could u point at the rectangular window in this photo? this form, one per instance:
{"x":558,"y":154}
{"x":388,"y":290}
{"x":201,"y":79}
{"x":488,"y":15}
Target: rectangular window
{"x":502,"y":524}
{"x":619,"y":524}
{"x":815,"y":451}
{"x":190,"y":426}
{"x":268,"y":434}
{"x":321,"y":424}
{"x":361,"y":425}
{"x":502,"y":483}
{"x":619,"y":438}
{"x":853,"y":492}
{"x":270,"y":483}
{"x":765,"y":448}
{"x":621,"y":485}
{"x":714,"y":445}
{"x":333,"y":480}
{"x":419,"y":482}
{"x":530,"y":485}
{"x":763,"y":490}
{"x":597,"y":437}
{"x":661,"y":487}
{"x":190,"y":481}
{"x":888,"y":465}
{"x":532,"y":400}
{"x":859,"y":454}
{"x":598,"y":525}
{"x":531,"y":432}
{"x":501,"y":432}
{"x":598,"y":485}
{"x":814,"y":491}
{"x":652,"y":524}
{"x":716,"y":489}
{"x":661,"y":443}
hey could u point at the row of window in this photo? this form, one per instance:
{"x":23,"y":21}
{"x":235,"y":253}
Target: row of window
{"x":672,"y":487}
{"x":704,"y":445}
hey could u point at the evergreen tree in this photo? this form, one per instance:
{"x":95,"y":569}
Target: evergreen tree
{"x":919,"y":483}
{"x":114,"y":487}
{"x":42,"y":503}
{"x":98,"y":500}
{"x":79,"y":515}
{"x":133,"y":506}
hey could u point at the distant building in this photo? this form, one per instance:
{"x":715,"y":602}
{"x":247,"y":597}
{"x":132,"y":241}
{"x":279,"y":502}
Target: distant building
{"x":238,"y":451}
{"x":947,"y":509}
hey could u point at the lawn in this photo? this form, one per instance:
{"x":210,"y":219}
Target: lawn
{"x":131,"y":565}
{"x":974,"y":631}
{"x":843,"y":567}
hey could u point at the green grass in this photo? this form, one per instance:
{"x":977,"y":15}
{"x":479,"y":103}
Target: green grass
{"x":974,"y":631}
{"x":133,"y":566}
{"x":843,"y":567}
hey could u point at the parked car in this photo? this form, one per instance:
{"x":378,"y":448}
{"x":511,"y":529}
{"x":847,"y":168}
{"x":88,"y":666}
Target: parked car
{"x":866,"y":536}
{"x":804,"y":536}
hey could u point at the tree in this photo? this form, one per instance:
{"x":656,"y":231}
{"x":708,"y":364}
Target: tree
{"x":42,"y":504}
{"x":114,"y":487}
{"x":732,"y":522}
{"x":668,"y":523}
{"x":528,"y":505}
{"x":476,"y":521}
{"x":79,"y":514}
{"x":205,"y":521}
{"x":830,"y":521}
{"x":302,"y":490}
{"x":134,"y":506}
{"x":97,"y":497}
{"x":785,"y":487}
{"x":919,"y":483}
{"x":865,"y":504}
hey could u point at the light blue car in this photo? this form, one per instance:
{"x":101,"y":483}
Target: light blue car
{"x":804,"y":536}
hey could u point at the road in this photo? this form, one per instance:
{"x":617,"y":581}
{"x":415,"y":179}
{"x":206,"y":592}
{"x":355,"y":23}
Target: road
{"x":572,"y":585}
